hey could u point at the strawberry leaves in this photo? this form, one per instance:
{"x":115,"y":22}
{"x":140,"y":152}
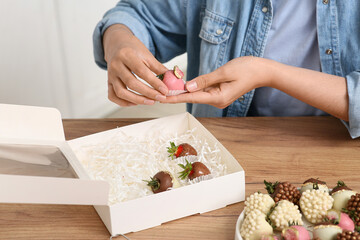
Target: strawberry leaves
{"x":187,"y":170}
{"x":172,"y":150}
{"x":153,"y":183}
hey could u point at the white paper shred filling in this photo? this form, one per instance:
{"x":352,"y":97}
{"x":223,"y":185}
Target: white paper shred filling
{"x":125,"y":161}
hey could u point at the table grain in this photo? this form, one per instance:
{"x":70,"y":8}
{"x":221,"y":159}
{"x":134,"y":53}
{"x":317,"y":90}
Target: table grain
{"x":285,"y":149}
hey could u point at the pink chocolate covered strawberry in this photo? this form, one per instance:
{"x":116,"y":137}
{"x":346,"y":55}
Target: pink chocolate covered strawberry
{"x":269,"y":237}
{"x":295,"y":232}
{"x":173,"y":80}
{"x":341,"y":219}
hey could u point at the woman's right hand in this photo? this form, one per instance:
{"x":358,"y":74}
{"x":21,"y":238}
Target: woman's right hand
{"x":126,"y":55}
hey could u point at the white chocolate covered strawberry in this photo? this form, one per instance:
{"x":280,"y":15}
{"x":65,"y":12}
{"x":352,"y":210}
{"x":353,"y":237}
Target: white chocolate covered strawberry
{"x":341,"y":195}
{"x":285,"y":213}
{"x":255,"y":226}
{"x":260,"y":201}
{"x":314,"y":204}
{"x":326,"y":231}
{"x":309,"y":185}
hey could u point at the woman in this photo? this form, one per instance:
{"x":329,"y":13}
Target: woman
{"x":300,"y":56}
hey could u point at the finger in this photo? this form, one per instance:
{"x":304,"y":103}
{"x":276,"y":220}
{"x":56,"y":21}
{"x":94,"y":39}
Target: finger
{"x":136,"y":85}
{"x":154,"y":65}
{"x":220,"y":96}
{"x":112,"y":97}
{"x":204,"y":81}
{"x":141,"y":69}
{"x":195,"y":97}
{"x":123,"y":93}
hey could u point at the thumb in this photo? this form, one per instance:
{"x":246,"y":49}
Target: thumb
{"x":203,"y":81}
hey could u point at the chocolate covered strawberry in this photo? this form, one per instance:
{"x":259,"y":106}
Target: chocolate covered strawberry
{"x":309,"y":185}
{"x":173,"y":79}
{"x":193,"y":170}
{"x":283,"y":191}
{"x":269,"y":237}
{"x":260,"y":201}
{"x":341,"y":195}
{"x":295,"y":232}
{"x":161,"y":182}
{"x":353,"y":209}
{"x":326,"y":231}
{"x":181,"y":150}
{"x":314,"y":204}
{"x":345,"y":235}
{"x":341,"y":219}
{"x":284,"y":214}
{"x":255,"y":226}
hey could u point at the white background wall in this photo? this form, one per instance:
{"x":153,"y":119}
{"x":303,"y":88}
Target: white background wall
{"x":46,"y":57}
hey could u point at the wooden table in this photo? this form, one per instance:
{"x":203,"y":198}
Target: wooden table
{"x":291,"y":149}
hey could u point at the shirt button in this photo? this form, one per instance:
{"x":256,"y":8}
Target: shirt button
{"x":240,"y":99}
{"x":219,"y":31}
{"x":328,"y":51}
{"x":325,"y":1}
{"x":264,"y":9}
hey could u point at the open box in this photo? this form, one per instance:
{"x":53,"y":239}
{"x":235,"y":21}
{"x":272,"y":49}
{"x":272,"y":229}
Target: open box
{"x":34,"y":126}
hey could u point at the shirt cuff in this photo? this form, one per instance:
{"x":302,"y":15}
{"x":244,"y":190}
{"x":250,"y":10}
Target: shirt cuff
{"x":353,"y":87}
{"x":134,"y":24}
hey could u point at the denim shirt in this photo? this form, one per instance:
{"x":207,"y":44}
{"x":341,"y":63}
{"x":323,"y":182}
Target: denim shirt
{"x":213,"y":32}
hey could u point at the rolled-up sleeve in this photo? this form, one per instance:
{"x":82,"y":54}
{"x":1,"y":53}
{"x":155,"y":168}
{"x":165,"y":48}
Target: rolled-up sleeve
{"x":159,"y":24}
{"x":353,"y":87}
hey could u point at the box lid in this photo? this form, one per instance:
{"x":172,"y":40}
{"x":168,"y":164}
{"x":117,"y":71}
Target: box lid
{"x":37,"y":165}
{"x":27,"y":122}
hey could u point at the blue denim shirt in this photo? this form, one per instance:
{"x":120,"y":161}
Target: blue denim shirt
{"x":213,"y":32}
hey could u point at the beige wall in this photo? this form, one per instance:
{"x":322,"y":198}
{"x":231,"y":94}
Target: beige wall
{"x":46,"y":59}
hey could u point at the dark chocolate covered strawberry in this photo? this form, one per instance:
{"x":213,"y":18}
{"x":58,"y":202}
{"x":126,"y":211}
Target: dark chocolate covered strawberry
{"x":161,"y":182}
{"x":345,"y":235}
{"x":181,"y":150}
{"x":283,"y":191}
{"x":353,"y":209}
{"x":193,"y":170}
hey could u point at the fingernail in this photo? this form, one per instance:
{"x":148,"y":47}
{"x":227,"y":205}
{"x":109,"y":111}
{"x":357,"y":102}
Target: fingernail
{"x":163,"y":90}
{"x":160,"y":97}
{"x":191,"y":86}
{"x":149,"y":102}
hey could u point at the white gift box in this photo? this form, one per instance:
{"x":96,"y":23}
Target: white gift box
{"x":33,"y":136}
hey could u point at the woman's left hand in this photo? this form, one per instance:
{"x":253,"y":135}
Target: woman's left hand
{"x":239,"y":76}
{"x":223,"y":86}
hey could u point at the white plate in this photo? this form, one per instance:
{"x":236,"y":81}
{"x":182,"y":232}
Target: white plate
{"x":238,"y":224}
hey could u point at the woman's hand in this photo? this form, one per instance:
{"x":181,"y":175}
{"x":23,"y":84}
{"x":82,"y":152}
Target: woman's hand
{"x":125,"y":56}
{"x":227,"y":83}
{"x":239,"y":76}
